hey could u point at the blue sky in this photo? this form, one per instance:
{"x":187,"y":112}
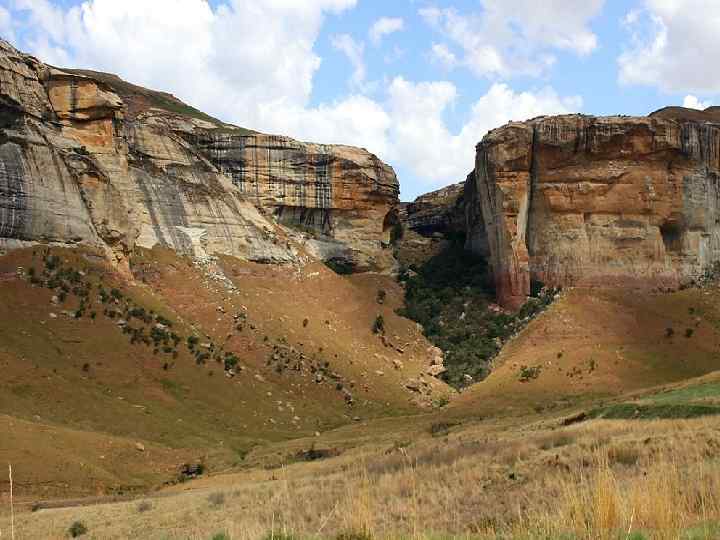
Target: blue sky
{"x":418,"y":82}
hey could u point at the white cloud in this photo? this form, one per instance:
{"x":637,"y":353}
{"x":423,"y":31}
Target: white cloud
{"x":233,"y":61}
{"x":253,"y":63}
{"x":441,"y":53}
{"x":355,"y":53}
{"x":511,"y":37}
{"x":6,"y":24}
{"x":692,"y":102}
{"x":421,"y":139}
{"x":384,"y":27}
{"x":671,"y":42}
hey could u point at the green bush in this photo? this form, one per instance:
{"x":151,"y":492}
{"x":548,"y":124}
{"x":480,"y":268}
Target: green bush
{"x":449,"y":296}
{"x":378,"y":326}
{"x":78,"y":528}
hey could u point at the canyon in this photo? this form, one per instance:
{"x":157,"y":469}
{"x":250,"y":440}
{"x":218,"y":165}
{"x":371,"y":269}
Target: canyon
{"x":574,"y":200}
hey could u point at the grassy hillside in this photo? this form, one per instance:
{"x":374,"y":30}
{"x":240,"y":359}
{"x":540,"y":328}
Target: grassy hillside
{"x":529,"y":479}
{"x":598,"y":420}
{"x":184,"y":364}
{"x":139,"y":99}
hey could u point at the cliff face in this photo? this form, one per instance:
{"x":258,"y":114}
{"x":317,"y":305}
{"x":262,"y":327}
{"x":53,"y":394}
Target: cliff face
{"x":440,"y":211}
{"x":585,"y":201}
{"x":344,"y":197}
{"x":86,"y":158}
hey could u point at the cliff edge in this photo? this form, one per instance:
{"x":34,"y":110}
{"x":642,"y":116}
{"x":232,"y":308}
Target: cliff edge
{"x":89,"y":159}
{"x":579,"y":200}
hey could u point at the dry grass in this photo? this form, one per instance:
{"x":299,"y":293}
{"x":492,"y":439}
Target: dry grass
{"x":606,"y":480}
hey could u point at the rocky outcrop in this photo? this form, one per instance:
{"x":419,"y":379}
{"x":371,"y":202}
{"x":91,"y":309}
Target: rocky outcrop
{"x":86,"y":158}
{"x":441,"y":211}
{"x":584,"y":201}
{"x":343,"y":197}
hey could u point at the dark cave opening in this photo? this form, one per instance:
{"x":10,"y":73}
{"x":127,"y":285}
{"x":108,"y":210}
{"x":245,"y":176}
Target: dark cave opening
{"x":672,"y":234}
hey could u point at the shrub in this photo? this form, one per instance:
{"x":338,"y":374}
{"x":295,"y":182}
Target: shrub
{"x":669,"y":332}
{"x":231,"y":360}
{"x":144,"y":506}
{"x":529,"y":373}
{"x":78,"y":528}
{"x":689,"y":332}
{"x":378,"y":326}
{"x":381,"y":295}
{"x":220,"y":536}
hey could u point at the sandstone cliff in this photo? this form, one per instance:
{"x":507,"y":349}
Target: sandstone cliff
{"x":585,"y":201}
{"x":441,"y":211}
{"x":86,"y":158}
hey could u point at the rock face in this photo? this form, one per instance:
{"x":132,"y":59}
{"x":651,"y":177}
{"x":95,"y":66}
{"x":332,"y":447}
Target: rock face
{"x":344,"y":197}
{"x":583,"y":201}
{"x":441,"y":211}
{"x":86,"y":158}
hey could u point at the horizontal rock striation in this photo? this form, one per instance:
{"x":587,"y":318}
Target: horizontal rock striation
{"x":86,"y":158}
{"x":585,"y":201}
{"x":344,"y":197}
{"x":441,"y":211}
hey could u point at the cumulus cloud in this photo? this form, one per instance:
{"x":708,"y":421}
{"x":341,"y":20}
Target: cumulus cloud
{"x":355,"y":53}
{"x":692,"y":102}
{"x":437,"y":155}
{"x":441,"y":53}
{"x":670,"y":42}
{"x":6,"y":24}
{"x":384,"y":27}
{"x":234,"y":61}
{"x":515,"y":37}
{"x":253,"y":63}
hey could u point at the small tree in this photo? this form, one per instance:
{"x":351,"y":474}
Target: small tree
{"x":379,"y":325}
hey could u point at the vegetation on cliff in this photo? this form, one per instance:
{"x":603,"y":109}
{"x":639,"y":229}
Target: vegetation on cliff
{"x":451,"y":297}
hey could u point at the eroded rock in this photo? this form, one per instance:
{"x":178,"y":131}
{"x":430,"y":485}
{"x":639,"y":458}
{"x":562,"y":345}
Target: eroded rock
{"x":579,"y":200}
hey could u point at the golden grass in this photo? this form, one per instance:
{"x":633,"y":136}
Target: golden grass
{"x":473,"y":484}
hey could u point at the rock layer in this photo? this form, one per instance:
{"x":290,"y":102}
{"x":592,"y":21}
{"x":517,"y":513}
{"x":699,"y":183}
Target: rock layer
{"x":86,"y":158}
{"x":585,"y":201}
{"x":441,"y":211}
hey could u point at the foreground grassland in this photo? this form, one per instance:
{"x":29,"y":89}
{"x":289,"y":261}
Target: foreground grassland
{"x":593,"y":479}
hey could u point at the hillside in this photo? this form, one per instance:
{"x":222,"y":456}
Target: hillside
{"x":278,"y":355}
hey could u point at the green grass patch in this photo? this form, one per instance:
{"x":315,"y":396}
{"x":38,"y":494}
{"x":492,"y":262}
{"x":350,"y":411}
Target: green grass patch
{"x":631,"y":411}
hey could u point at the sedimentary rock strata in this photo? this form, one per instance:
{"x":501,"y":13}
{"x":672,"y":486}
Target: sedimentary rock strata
{"x":586,"y":201}
{"x":86,"y":158}
{"x":441,"y":211}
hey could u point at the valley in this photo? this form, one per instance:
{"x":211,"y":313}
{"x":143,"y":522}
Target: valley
{"x":210,"y":332}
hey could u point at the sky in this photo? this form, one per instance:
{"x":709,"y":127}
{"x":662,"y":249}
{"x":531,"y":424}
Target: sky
{"x":417,"y":82}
